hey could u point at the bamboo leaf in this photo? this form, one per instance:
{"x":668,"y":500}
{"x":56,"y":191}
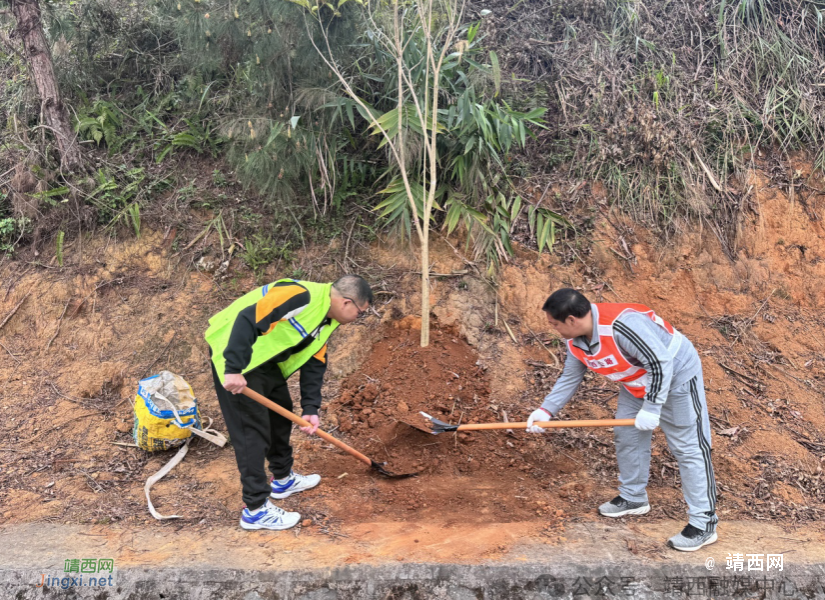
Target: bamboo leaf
{"x":350,"y":114}
{"x":545,"y":231}
{"x":454,"y":214}
{"x":496,"y":71}
{"x":471,"y":31}
{"x":505,"y":241}
{"x":514,"y":210}
{"x":59,"y":248}
{"x":539,"y":227}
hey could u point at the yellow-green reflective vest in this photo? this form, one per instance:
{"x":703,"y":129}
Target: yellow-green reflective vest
{"x":285,"y":335}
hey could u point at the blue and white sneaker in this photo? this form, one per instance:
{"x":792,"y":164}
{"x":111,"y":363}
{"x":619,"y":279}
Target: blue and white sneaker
{"x":296,"y":483}
{"x":269,"y":516}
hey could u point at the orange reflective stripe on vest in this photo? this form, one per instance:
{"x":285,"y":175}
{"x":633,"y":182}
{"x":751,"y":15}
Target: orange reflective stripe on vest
{"x":609,"y":360}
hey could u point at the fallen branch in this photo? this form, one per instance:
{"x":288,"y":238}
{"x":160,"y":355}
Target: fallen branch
{"x":14,"y":310}
{"x":543,"y":345}
{"x":59,"y":323}
{"x":10,"y":354}
{"x":196,"y":238}
{"x":510,"y":331}
{"x":806,"y":383}
{"x":755,"y":382}
{"x":69,"y":398}
{"x":753,"y":318}
{"x":453,"y":274}
{"x":15,"y":282}
{"x":470,"y":264}
{"x":541,"y":365}
{"x":545,"y":43}
{"x":622,"y":256}
{"x":708,"y":172}
{"x":77,"y":419}
{"x":56,"y":427}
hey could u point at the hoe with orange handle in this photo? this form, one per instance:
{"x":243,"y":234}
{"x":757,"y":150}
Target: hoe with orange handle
{"x":324,"y":435}
{"x":442,"y":427}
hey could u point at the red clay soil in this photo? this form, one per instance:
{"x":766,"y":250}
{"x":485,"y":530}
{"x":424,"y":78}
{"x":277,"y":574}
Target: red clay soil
{"x":475,"y":476}
{"x":85,"y":334}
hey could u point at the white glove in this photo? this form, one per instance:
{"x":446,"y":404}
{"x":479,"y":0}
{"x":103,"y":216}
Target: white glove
{"x":537,"y":415}
{"x":646,"y":421}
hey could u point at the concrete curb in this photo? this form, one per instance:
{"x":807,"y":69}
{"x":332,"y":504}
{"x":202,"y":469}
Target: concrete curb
{"x":410,"y":561}
{"x":424,"y":581}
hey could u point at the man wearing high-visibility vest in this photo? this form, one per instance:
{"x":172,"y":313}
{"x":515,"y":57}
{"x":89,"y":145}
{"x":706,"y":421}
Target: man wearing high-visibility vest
{"x":259,"y":341}
{"x":661,"y":385}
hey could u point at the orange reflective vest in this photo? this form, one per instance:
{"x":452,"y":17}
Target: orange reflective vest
{"x":609,"y":361}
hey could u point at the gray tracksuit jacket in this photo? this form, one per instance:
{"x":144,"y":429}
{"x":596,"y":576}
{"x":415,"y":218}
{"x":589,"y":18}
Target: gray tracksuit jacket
{"x":644,"y":344}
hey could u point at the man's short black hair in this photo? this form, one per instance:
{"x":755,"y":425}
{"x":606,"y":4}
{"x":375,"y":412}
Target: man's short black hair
{"x":566,"y":302}
{"x":355,"y":288}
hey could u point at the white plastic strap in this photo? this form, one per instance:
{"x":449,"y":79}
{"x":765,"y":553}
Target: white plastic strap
{"x":206,"y":433}
{"x":160,"y":475}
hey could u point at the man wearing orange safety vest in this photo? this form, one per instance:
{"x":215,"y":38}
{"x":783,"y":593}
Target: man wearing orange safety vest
{"x":661,"y":385}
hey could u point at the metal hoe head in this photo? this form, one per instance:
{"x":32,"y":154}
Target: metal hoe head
{"x":439,"y":426}
{"x":380,"y":468}
{"x":421,"y":428}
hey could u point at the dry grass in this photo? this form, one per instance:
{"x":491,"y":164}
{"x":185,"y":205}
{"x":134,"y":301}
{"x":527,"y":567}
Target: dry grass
{"x":667,"y":102}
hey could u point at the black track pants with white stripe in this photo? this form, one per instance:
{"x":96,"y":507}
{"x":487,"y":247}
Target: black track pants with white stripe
{"x":686,"y":426}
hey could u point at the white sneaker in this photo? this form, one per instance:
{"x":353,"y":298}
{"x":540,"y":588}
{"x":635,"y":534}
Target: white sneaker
{"x":296,"y":483}
{"x":269,"y":517}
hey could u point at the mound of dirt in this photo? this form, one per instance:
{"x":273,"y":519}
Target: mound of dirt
{"x":472,"y":476}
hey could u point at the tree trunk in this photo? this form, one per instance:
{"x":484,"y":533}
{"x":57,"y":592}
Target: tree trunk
{"x":36,"y":50}
{"x":425,"y":289}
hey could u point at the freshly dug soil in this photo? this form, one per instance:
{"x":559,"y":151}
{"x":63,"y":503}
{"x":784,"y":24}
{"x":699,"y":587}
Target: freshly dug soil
{"x":471,"y":476}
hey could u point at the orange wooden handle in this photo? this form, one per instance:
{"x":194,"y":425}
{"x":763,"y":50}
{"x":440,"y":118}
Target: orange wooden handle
{"x":303,"y":423}
{"x":549,"y":424}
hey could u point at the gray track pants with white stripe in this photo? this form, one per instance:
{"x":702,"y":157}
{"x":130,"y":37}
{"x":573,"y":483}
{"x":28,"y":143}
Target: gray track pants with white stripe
{"x":686,"y":426}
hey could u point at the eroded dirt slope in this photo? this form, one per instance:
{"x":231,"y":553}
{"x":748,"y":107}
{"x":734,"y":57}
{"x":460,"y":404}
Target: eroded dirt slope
{"x":130,"y":308}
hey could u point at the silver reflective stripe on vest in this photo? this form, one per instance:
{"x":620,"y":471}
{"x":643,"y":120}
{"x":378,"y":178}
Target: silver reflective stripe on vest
{"x":627,"y":373}
{"x":641,"y":382}
{"x":675,"y":343}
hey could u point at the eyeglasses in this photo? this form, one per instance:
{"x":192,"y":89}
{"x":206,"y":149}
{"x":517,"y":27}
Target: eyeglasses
{"x":361,"y":313}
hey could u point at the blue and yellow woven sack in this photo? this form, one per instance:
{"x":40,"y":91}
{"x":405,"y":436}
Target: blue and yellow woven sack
{"x":166,"y":416}
{"x":165,"y":411}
